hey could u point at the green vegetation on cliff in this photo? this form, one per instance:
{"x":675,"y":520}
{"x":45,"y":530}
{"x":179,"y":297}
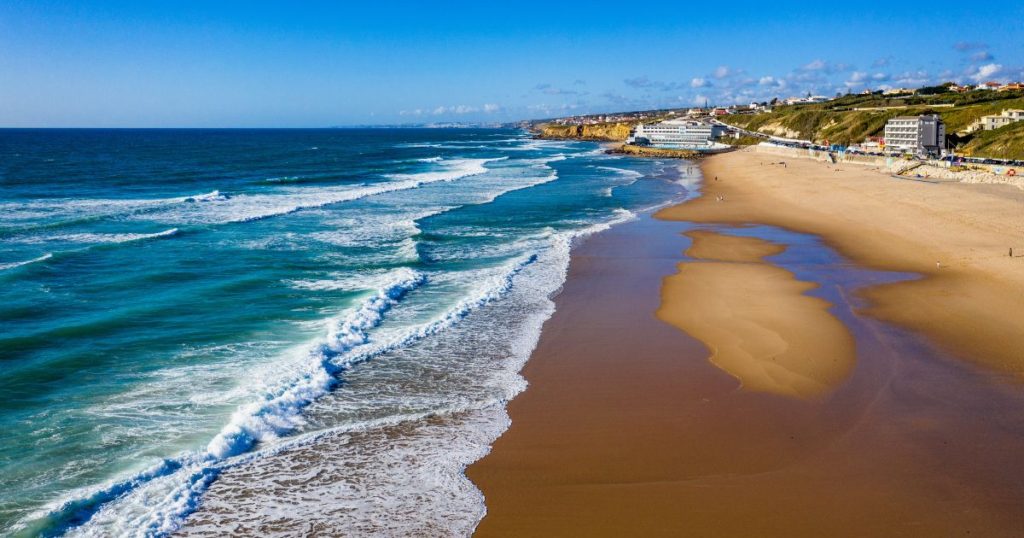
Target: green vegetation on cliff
{"x":837,"y":122}
{"x":745,"y":140}
{"x":1003,"y":143}
{"x":838,"y":127}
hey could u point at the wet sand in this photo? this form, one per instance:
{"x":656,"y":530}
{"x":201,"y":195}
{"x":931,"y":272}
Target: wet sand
{"x":755,"y":318}
{"x":627,"y":428}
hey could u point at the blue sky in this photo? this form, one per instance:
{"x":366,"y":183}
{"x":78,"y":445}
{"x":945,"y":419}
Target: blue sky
{"x":294,"y":64}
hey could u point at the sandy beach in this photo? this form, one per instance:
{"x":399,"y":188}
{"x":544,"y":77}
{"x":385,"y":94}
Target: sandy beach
{"x":645,"y":417}
{"x":957,"y":236}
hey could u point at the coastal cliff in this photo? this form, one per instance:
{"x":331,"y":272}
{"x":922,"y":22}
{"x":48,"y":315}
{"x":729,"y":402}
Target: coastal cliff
{"x":611,"y":132}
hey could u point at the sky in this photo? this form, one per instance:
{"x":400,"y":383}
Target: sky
{"x":319,"y":64}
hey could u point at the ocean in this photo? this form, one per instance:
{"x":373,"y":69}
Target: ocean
{"x":278,"y":331}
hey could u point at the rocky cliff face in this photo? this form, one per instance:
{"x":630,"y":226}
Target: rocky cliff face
{"x":613,"y":132}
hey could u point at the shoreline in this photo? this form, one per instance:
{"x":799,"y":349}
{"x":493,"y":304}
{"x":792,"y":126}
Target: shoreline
{"x":627,"y":427}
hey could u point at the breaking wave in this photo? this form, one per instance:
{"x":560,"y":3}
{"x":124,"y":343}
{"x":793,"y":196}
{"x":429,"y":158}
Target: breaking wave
{"x":109,"y":238}
{"x":8,"y":266}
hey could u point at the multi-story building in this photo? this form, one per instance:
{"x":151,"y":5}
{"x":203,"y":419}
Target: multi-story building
{"x":918,"y":135}
{"x":810,"y":99}
{"x":1003,"y":119}
{"x":684,"y":134}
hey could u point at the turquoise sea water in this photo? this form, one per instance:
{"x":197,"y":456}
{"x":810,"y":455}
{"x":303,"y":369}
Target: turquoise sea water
{"x":178,"y":303}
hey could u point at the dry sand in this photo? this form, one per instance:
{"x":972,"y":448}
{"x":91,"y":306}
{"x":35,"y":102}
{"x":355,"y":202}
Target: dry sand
{"x":958,"y":236}
{"x":756,"y":319}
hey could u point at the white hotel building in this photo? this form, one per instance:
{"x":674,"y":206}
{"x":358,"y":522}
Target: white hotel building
{"x":681,"y":134}
{"x":917,"y":135}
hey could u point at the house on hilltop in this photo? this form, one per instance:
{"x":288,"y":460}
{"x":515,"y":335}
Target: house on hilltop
{"x":1002,"y":119}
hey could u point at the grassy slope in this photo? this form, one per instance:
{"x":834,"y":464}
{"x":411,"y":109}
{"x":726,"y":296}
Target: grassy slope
{"x":1003,"y":143}
{"x":836,"y":122}
{"x":741,"y":141}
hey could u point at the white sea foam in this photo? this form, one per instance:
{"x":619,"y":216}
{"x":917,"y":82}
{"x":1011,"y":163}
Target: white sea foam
{"x":208,"y":197}
{"x":97,"y":237}
{"x":279,"y":412}
{"x":418,"y":145}
{"x":621,"y":171}
{"x":629,"y":177}
{"x":12,"y":265}
{"x":218,"y":208}
{"x":50,"y":213}
{"x":450,"y":169}
{"x":252,"y":207}
{"x":537,"y":144}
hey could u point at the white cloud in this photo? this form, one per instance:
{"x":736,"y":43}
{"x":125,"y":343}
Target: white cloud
{"x":913,"y":79}
{"x":771,"y":82}
{"x":489,"y":108}
{"x":857,"y":78}
{"x":699,"y":82}
{"x":722,"y":71}
{"x":987,"y":71}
